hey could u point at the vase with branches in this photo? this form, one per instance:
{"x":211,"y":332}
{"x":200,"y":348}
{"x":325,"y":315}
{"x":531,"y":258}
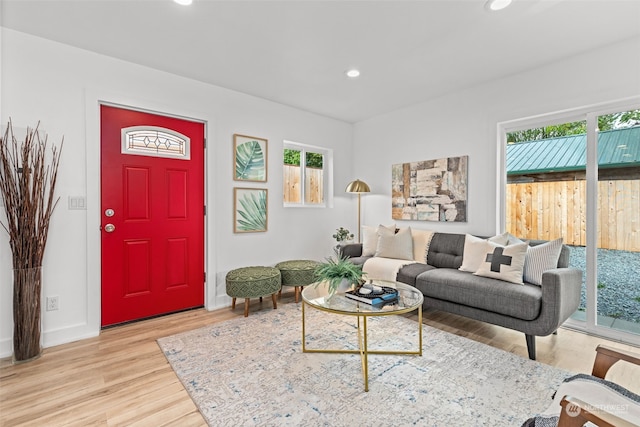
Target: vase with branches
{"x":28,"y":175}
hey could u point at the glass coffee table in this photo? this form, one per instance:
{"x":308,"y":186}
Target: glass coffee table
{"x":409,"y":299}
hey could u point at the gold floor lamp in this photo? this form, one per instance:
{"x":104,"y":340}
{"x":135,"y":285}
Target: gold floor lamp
{"x":359,"y":187}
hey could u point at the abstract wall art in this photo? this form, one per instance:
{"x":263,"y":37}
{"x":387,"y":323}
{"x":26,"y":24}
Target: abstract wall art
{"x":430,"y":190}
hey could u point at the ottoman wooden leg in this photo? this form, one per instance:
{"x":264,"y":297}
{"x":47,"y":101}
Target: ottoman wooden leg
{"x":233,"y":303}
{"x":246,"y":307}
{"x":273,"y":297}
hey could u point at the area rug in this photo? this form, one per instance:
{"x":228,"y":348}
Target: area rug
{"x":252,"y":371}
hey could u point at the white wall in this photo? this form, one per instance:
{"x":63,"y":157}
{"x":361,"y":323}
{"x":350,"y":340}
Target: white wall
{"x":60,"y":86}
{"x":465,"y":123}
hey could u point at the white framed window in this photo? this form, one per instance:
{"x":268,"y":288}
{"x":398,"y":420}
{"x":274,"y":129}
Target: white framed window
{"x":155,"y":142}
{"x":306,"y":175}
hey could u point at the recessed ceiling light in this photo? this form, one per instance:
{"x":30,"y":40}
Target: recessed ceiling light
{"x":183,"y":2}
{"x":494,"y":5}
{"x":353,"y":73}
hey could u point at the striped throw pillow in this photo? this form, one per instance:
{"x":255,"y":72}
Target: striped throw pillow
{"x":541,"y":258}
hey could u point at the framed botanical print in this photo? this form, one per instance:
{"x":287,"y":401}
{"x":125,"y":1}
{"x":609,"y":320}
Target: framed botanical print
{"x":249,"y":210}
{"x":249,"y":158}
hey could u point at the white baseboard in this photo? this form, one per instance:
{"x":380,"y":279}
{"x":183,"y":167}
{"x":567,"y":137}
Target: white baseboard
{"x":54,"y":337}
{"x":6,"y":347}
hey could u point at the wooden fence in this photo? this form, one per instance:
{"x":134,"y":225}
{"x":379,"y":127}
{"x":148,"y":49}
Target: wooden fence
{"x":548,"y":210}
{"x":291,"y":183}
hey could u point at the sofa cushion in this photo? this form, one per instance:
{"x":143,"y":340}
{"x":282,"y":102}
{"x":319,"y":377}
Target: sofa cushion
{"x":541,"y":258}
{"x":421,"y":240}
{"x":565,"y":253}
{"x":504,"y":262}
{"x":519,"y":301}
{"x":476,"y":248}
{"x":370,"y":237}
{"x":349,"y":250}
{"x":396,"y":246}
{"x":359,"y":260}
{"x":408,"y":273}
{"x":445,"y":250}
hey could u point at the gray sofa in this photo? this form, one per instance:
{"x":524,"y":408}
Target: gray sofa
{"x":531,"y":309}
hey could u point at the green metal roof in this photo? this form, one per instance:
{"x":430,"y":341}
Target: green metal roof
{"x":616,"y":148}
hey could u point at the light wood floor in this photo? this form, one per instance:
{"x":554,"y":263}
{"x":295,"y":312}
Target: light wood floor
{"x":121,"y":378}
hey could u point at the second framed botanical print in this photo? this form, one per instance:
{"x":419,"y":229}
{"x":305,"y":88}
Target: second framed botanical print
{"x":249,"y":210}
{"x":249,"y":158}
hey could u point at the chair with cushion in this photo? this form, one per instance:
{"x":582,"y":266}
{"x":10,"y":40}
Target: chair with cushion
{"x":592,"y":399}
{"x":297,"y":273}
{"x":253,"y":282}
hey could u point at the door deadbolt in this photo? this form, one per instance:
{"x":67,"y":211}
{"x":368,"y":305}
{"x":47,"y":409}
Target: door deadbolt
{"x":109,"y":212}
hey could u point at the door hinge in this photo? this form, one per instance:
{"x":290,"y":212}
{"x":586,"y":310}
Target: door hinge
{"x":205,"y":276}
{"x":204,"y":143}
{"x":205,"y":209}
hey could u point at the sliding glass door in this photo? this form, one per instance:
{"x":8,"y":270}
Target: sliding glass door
{"x":576,"y":175}
{"x":618,"y":221}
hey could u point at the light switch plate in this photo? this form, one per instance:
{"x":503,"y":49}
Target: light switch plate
{"x":77,"y":203}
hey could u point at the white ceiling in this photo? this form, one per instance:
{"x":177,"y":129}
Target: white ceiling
{"x":296,"y":52}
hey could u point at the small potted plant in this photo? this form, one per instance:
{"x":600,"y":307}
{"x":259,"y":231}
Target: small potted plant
{"x":339,"y":273}
{"x":343,"y":236}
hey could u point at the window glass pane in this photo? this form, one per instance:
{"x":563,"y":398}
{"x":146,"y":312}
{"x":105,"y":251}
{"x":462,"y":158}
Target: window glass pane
{"x":314,"y":189}
{"x":291,"y":157}
{"x":618,"y":252}
{"x":546,"y":189}
{"x":292,"y":190}
{"x":156,"y":142}
{"x":306,"y":181}
{"x":314,"y":160}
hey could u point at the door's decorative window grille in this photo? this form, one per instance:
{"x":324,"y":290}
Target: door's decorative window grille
{"x":155,"y":141}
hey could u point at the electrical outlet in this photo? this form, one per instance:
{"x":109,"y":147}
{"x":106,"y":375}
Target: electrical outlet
{"x":52,"y":303}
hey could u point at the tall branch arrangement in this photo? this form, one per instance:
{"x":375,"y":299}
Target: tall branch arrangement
{"x":27,"y":183}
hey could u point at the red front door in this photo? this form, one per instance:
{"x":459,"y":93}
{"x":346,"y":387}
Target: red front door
{"x":152,"y":214}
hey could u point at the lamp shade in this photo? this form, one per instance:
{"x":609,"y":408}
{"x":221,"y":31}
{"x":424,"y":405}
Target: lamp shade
{"x":357,"y":186}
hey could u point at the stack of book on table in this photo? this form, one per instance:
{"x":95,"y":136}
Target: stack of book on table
{"x":373,"y":294}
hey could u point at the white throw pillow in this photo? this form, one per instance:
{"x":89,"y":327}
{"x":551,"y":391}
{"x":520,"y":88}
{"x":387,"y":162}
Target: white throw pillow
{"x":541,"y":258}
{"x":504,"y":262}
{"x":502,"y":239}
{"x":398,"y":246}
{"x":370,"y":237}
{"x":421,"y":240}
{"x":475,"y":250}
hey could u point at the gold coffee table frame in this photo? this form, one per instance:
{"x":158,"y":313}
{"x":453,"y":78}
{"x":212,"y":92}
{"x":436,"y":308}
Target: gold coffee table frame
{"x":409,"y":299}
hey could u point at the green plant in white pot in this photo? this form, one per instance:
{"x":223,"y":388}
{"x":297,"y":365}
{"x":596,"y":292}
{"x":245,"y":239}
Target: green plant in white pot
{"x":342,"y":235}
{"x":339,"y":273}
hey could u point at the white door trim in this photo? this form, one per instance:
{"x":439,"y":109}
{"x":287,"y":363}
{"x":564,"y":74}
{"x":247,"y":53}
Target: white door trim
{"x":93,"y":99}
